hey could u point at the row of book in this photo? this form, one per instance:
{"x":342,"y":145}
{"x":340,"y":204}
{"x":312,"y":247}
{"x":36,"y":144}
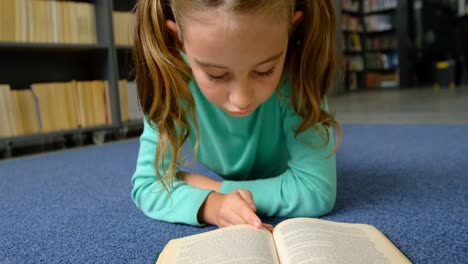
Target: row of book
{"x":352,"y":42}
{"x":376,"y":23}
{"x":354,"y":63}
{"x":382,"y":80}
{"x":377,"y":5}
{"x":47,"y":21}
{"x":49,"y":107}
{"x":351,"y":23}
{"x":382,"y":61}
{"x":350,"y":5}
{"x":382,"y":43}
{"x":124,"y":23}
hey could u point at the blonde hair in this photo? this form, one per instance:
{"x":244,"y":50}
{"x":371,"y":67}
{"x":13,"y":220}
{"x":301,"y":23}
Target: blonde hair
{"x":162,"y":74}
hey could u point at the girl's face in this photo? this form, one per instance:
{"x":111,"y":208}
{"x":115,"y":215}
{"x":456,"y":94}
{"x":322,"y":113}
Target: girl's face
{"x":237,"y":60}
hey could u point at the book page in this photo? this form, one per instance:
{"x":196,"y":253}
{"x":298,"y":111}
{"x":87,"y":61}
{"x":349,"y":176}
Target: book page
{"x":307,"y":240}
{"x":235,"y":244}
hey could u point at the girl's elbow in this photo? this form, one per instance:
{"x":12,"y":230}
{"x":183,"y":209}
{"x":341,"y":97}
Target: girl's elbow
{"x":328,"y":202}
{"x":137,"y":196}
{"x":322,"y":206}
{"x":327,"y":207}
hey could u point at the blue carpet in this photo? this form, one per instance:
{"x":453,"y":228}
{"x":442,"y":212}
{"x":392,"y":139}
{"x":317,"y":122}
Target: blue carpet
{"x":409,"y":181}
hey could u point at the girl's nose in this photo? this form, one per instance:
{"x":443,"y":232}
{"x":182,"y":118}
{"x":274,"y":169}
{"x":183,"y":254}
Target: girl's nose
{"x":241,"y":97}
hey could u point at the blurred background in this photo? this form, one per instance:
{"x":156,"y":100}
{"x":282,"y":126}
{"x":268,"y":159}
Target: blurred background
{"x":67,"y":75}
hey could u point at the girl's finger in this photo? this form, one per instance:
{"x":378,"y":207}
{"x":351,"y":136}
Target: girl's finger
{"x":234,"y":218}
{"x":247,"y":197}
{"x":249,"y":216}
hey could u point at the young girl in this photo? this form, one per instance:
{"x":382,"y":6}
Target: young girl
{"x":244,"y":84}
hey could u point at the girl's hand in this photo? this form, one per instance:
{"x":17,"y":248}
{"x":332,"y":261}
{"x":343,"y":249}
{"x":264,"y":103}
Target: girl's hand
{"x":234,"y":208}
{"x":200,"y":181}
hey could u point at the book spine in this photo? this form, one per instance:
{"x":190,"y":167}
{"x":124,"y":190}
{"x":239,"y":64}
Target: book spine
{"x":36,"y":106}
{"x":54,"y":21}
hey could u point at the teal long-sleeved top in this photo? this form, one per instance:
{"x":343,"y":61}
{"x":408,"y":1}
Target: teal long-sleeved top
{"x":288,"y":176}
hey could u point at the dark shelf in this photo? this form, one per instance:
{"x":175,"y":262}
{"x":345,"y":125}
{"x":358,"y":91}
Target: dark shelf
{"x":134,"y":124}
{"x":352,"y":31}
{"x":350,"y":12}
{"x":124,"y":47}
{"x":384,"y":87}
{"x":381,"y":50}
{"x":352,"y":52}
{"x":390,"y":30}
{"x":126,"y":67}
{"x":30,"y":65}
{"x":380,"y":11}
{"x":51,"y":47}
{"x":124,"y":5}
{"x":36,"y":138}
{"x":382,"y":70}
{"x":360,"y":71}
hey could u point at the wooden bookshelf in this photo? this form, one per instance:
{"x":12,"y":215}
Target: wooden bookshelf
{"x":27,"y":61}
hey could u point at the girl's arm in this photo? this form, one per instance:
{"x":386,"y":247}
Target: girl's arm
{"x":308,"y":187}
{"x":200,"y":181}
{"x":148,"y":194}
{"x":193,"y":201}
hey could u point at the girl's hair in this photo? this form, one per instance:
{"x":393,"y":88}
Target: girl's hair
{"x":162,"y":74}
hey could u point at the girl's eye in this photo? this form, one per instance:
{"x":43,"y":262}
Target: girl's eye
{"x":217,"y":78}
{"x":225,"y":77}
{"x":265,"y":74}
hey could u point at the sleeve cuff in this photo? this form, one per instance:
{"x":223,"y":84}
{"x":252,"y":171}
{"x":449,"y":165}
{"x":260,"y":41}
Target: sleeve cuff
{"x":228,"y":186}
{"x":201,"y":197}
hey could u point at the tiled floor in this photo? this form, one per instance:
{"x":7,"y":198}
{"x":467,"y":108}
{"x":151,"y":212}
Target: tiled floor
{"x":403,"y":106}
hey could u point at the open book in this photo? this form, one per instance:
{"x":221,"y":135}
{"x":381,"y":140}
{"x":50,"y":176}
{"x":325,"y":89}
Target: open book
{"x":297,"y":240}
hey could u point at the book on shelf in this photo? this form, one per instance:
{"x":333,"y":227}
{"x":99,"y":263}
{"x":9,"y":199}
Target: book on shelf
{"x":353,"y":42}
{"x":47,"y":21}
{"x":350,"y":5}
{"x":352,"y":81}
{"x":382,"y":80}
{"x":297,"y":240}
{"x":49,"y":107}
{"x":129,"y":106}
{"x":351,"y":23}
{"x":354,"y":63}
{"x":382,"y":43}
{"x":7,"y":129}
{"x":378,"y":5}
{"x":382,"y":61}
{"x":377,"y":23}
{"x":25,"y":112}
{"x":134,"y":109}
{"x":124,"y":22}
{"x":123,"y":94}
{"x":18,"y":112}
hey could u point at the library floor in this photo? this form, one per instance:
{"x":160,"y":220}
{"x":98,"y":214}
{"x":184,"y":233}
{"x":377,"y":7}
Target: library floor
{"x":404,"y":106}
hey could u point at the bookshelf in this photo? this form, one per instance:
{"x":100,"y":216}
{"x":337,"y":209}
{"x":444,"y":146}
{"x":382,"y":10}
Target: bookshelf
{"x":78,"y":52}
{"x":374,"y":44}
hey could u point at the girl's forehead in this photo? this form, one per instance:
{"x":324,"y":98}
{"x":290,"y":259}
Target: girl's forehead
{"x":225,"y":22}
{"x":235,"y":39}
{"x":220,"y":15}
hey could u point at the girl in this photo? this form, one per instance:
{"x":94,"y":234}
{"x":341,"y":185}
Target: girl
{"x":243,"y":82}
